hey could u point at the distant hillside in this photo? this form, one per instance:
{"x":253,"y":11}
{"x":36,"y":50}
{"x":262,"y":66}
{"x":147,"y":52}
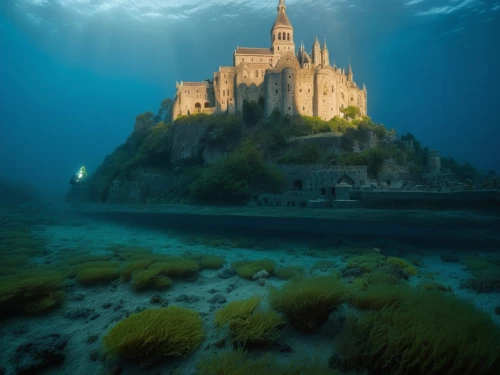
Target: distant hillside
{"x":224,"y":157}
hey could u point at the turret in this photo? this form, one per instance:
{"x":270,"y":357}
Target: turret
{"x":282,"y":32}
{"x":324,"y":56}
{"x":350,"y":75}
{"x":316,"y":53}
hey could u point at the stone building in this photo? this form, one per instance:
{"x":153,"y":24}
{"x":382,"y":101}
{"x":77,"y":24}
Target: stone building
{"x":295,"y":82}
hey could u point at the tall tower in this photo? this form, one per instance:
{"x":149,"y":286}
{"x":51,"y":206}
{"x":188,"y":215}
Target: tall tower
{"x":282,"y":32}
{"x":316,"y":53}
{"x":350,"y":75}
{"x":325,"y":60}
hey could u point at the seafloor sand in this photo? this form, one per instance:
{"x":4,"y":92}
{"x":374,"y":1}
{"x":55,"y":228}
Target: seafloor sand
{"x":95,"y":236}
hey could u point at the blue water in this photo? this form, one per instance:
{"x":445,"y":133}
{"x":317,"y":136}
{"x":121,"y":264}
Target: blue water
{"x":74,"y":75}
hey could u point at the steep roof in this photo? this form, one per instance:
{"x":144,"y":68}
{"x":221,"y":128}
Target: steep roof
{"x":253,"y":51}
{"x":282,"y":19}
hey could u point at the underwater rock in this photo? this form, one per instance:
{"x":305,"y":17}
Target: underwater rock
{"x":212,"y":291}
{"x":33,"y":357}
{"x":231,"y":287}
{"x":351,"y":272}
{"x":217,"y":298}
{"x":106,"y":305}
{"x":220,"y":343}
{"x":261,"y":274}
{"x":483,"y":284}
{"x":227,"y":273}
{"x":187,"y":298}
{"x":158,"y":299}
{"x":79,"y":313}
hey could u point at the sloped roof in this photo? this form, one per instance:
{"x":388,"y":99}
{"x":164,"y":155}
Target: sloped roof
{"x":253,"y":51}
{"x":282,"y":19}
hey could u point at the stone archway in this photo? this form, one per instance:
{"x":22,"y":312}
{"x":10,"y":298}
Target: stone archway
{"x":197,"y":107}
{"x":346,"y":179}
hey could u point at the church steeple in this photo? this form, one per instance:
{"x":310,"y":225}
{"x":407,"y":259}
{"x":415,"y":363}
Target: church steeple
{"x":282,"y":32}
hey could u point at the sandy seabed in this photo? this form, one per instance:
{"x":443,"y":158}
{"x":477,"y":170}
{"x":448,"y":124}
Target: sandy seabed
{"x":111,"y":302}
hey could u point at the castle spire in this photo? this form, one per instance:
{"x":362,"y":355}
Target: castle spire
{"x":324,"y":46}
{"x":350,"y":75}
{"x":316,"y":41}
{"x":282,"y":32}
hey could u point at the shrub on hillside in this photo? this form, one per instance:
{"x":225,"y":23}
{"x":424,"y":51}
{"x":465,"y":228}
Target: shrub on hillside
{"x":231,"y":179}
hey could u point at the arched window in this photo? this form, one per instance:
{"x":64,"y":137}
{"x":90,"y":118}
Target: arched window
{"x":207,"y":105}
{"x":279,"y":36}
{"x":256,"y":74}
{"x":288,"y":38}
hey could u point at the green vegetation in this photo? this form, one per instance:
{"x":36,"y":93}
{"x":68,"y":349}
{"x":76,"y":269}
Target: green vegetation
{"x":420,"y":332}
{"x":237,"y":363}
{"x":231,"y":179}
{"x":155,"y":334}
{"x":227,"y":157}
{"x":307,"y":303}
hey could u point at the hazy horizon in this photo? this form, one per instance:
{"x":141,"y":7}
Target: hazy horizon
{"x":75,"y":73}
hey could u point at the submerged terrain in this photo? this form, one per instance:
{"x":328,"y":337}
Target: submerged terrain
{"x":87,"y":293}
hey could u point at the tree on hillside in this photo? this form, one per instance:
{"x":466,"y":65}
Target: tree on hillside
{"x":351,"y":112}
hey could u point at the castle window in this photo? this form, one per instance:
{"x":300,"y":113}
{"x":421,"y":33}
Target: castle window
{"x":224,"y":75}
{"x":276,"y":83}
{"x":197,"y":91}
{"x":352,"y":99}
{"x":289,"y":76}
{"x":288,"y":36}
{"x":226,"y":82}
{"x":276,"y":91}
{"x":289,"y":108}
{"x":332,"y":88}
{"x":252,"y":59}
{"x":300,"y":90}
{"x":279,"y":36}
{"x":309,"y":91}
{"x":242,"y":60}
{"x":278,"y":48}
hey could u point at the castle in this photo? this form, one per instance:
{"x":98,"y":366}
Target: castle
{"x":295,"y":84}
